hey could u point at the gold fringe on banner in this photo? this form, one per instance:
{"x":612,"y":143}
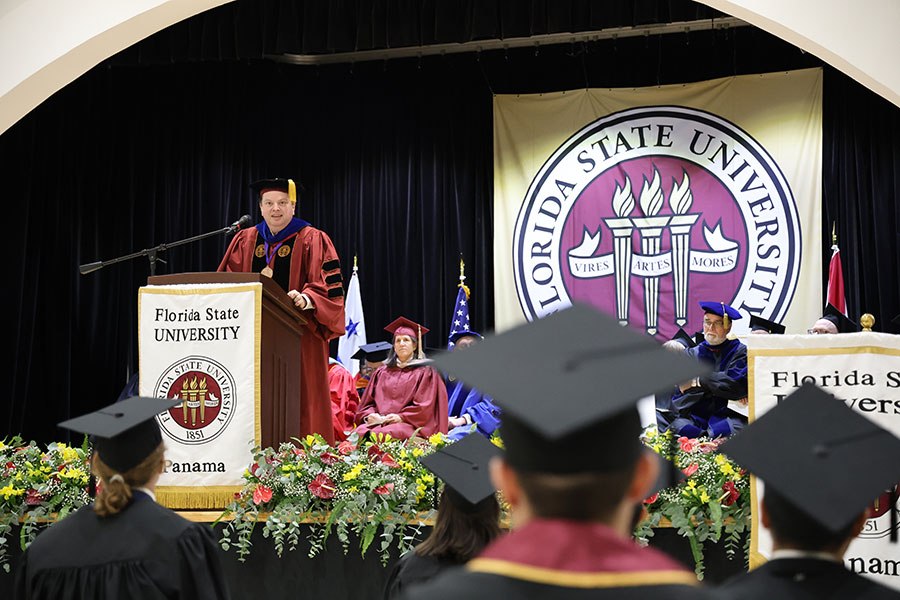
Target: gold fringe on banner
{"x":213,"y":496}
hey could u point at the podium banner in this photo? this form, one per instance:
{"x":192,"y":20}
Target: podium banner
{"x":861,"y":369}
{"x":201,"y":344}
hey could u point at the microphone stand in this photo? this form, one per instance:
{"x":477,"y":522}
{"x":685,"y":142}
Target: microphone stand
{"x":153,"y":253}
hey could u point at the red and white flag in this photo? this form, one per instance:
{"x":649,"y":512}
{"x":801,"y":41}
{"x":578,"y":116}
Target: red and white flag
{"x":836,"y":282}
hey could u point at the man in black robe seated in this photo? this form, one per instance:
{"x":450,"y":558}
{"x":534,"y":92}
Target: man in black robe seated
{"x":700,"y":406}
{"x":574,"y":467}
{"x":816,"y":496}
{"x":833,"y":321}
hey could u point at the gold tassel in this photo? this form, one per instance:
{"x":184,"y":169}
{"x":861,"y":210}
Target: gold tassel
{"x":292,"y":191}
{"x":421,"y":354}
{"x":724,"y":316}
{"x":214,"y":496}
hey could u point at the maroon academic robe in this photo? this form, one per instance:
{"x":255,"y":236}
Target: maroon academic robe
{"x":315,"y":271}
{"x":416,"y":393}
{"x":344,"y":400}
{"x":556,"y":558}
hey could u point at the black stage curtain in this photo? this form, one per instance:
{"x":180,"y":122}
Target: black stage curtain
{"x":861,"y":196}
{"x":396,"y":158}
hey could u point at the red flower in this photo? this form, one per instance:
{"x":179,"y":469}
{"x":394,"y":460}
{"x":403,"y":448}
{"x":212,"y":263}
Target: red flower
{"x":384,"y":490}
{"x":253,"y":469}
{"x":346,"y":447}
{"x":389,"y":460}
{"x":261,"y":494}
{"x":10,"y":465}
{"x":732,"y":493}
{"x":299,"y":452}
{"x":322,"y":487}
{"x":328,"y":458}
{"x":652,"y":498}
{"x":32,"y":498}
{"x":687,"y":444}
{"x":375,"y":453}
{"x":691,"y":469}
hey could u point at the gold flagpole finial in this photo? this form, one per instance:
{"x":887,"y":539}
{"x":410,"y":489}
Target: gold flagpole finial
{"x":834,"y":233}
{"x":462,"y":276}
{"x":354,"y":261}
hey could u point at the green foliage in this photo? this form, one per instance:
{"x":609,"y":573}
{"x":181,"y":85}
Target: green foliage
{"x":713,"y":501}
{"x":372,"y":488}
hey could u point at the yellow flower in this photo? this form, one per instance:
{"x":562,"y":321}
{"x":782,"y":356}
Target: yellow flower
{"x":428,"y":478}
{"x":720,"y":460}
{"x":2,"y":445}
{"x":416,"y":452}
{"x":68,"y":454}
{"x":435,"y":439}
{"x":9,"y":490}
{"x":497,"y":441}
{"x":727,"y":469}
{"x":704,"y":497}
{"x":352,"y":489}
{"x":691,"y":484}
{"x":310,"y":440}
{"x":354,"y":472}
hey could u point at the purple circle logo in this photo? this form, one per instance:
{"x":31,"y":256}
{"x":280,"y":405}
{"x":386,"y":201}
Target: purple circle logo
{"x":644,"y":212}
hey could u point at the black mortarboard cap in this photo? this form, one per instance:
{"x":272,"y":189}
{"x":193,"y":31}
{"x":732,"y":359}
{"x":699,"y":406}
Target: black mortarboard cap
{"x":682,"y":336}
{"x":839,"y":461}
{"x":766,"y":325}
{"x":843,"y":324}
{"x":463,"y":466}
{"x":583,"y":384}
{"x":374,"y":352}
{"x":125,"y":433}
{"x":278,"y":183}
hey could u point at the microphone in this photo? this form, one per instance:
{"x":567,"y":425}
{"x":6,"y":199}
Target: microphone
{"x":241,"y":223}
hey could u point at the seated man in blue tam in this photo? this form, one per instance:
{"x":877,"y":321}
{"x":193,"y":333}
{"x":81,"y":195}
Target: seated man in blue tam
{"x":465,"y":406}
{"x":700,"y":406}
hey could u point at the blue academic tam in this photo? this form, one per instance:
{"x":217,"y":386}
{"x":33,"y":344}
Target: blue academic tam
{"x":721,"y":309}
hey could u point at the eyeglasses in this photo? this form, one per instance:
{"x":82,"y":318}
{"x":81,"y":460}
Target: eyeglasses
{"x":279,"y":204}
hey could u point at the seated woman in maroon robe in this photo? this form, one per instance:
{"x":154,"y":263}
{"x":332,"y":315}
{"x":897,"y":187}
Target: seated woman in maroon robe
{"x":405,"y":394}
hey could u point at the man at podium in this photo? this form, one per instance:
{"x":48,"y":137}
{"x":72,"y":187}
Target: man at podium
{"x":303,"y":261}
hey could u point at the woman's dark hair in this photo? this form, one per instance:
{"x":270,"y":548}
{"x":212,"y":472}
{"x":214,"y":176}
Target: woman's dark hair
{"x":391,"y":360}
{"x":115,"y":493}
{"x":461,"y":530}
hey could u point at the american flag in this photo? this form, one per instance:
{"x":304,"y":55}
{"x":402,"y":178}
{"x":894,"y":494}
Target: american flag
{"x":460,"y":319}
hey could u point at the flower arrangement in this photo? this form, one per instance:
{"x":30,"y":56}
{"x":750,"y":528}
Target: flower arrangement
{"x":712,"y":501}
{"x":359,"y":486}
{"x":37,"y":486}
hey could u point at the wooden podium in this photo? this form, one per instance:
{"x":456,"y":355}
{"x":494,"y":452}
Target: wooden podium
{"x":279,"y":376}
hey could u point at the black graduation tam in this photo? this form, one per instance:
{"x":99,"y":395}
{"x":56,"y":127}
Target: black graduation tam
{"x":572,"y":406}
{"x":374,"y":352}
{"x":699,"y":338}
{"x":288,"y":186}
{"x":836,"y":462}
{"x":843,"y":324}
{"x":682,"y":336}
{"x":125,"y":433}
{"x":454,"y":337}
{"x":758,"y":323}
{"x":463,"y":466}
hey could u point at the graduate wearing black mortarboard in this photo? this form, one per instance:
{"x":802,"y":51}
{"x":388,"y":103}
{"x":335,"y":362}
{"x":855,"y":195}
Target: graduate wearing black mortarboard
{"x":124,"y":545}
{"x":700,"y":407}
{"x":468,"y":516}
{"x":574,"y":467}
{"x":816,"y":496}
{"x":302,"y":260}
{"x":370,"y":357}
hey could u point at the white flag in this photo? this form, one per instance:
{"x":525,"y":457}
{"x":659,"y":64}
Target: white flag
{"x":354,"y":326}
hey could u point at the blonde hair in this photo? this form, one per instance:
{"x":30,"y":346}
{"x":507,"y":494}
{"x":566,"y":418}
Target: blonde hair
{"x":115,"y":493}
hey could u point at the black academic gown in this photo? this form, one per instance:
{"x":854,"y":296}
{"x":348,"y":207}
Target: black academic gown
{"x":413,"y":569}
{"x":802,"y":579}
{"x":144,"y":552}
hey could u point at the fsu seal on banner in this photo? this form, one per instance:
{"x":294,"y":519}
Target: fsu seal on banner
{"x":649,"y":210}
{"x":646,"y":207}
{"x":200,"y":344}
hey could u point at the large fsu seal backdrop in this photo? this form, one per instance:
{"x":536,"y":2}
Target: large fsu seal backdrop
{"x":644,"y":201}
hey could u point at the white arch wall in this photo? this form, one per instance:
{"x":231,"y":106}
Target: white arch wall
{"x":859,"y":37}
{"x":46,"y":44}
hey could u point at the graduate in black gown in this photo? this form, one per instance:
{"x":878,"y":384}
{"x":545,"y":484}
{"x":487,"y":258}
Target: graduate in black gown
{"x":816,"y":497}
{"x":574,"y":467}
{"x":468,"y":516}
{"x":124,"y":545}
